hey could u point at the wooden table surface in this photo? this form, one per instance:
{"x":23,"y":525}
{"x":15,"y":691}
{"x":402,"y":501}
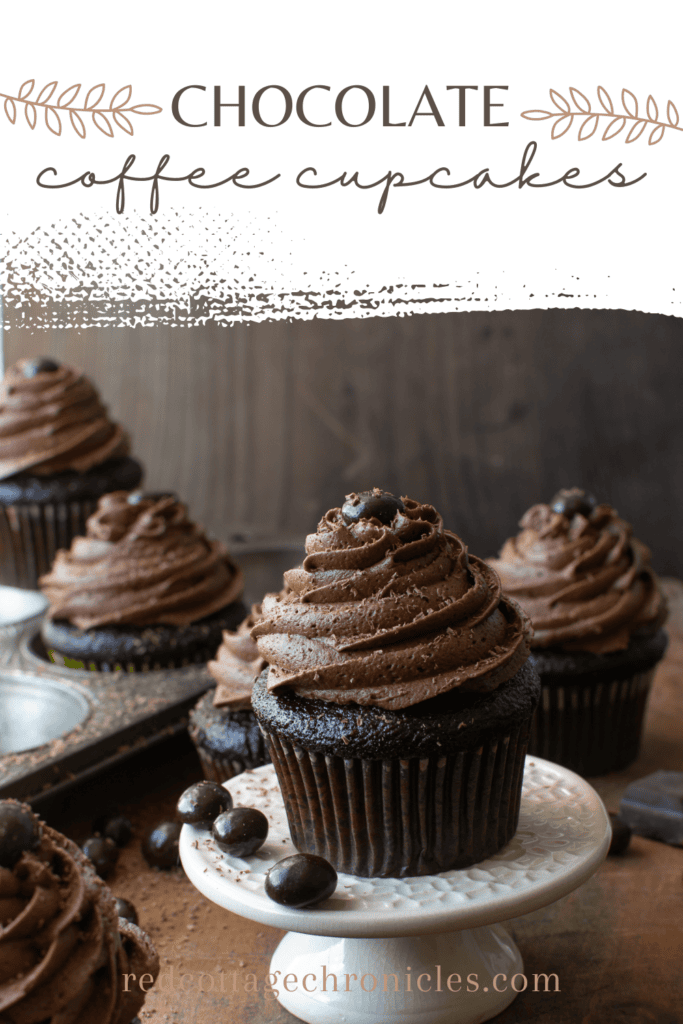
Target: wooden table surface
{"x":616,"y":943}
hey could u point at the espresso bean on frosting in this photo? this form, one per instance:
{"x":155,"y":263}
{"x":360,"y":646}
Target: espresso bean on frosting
{"x":581,"y":576}
{"x":52,"y":420}
{"x":141,"y":564}
{"x":389,"y":614}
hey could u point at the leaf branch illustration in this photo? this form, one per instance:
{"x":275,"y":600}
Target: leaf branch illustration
{"x":639,"y":120}
{"x":66,"y":108}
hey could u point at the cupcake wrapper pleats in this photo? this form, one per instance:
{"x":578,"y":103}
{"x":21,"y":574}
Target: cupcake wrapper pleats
{"x":402,"y":817}
{"x":220,"y":769}
{"x":31,"y":535}
{"x":591,"y":728}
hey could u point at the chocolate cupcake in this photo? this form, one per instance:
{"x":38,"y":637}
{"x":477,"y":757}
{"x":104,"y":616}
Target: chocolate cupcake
{"x":64,"y":951}
{"x":398,"y":697}
{"x":143,"y":589}
{"x":59,"y":453}
{"x":586,"y":584}
{"x":222,"y":725}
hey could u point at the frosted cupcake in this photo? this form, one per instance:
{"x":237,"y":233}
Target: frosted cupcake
{"x":398,"y":698}
{"x":222,"y":725}
{"x":144,"y":588}
{"x":64,"y":951}
{"x":59,"y":453}
{"x":597,"y":610}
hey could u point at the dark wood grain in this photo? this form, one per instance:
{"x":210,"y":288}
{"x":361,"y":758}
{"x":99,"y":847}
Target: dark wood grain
{"x":263,"y":428}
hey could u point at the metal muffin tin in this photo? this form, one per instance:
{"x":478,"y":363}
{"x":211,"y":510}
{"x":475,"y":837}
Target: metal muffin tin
{"x":34,"y":712}
{"x":59,"y":724}
{"x":21,"y":612}
{"x":79,"y":719}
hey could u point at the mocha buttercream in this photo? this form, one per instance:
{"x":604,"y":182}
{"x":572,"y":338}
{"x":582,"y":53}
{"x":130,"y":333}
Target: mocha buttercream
{"x":141,"y":564}
{"x":389,"y":615}
{"x":63,"y":950}
{"x":54,"y":421}
{"x":236,"y":665}
{"x":584,"y":580}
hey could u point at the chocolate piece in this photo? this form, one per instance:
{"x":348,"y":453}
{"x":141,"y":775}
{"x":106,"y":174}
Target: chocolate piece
{"x":19,"y":832}
{"x":103,"y":853}
{"x":202,"y":803}
{"x":241,"y":831}
{"x":43,"y":364}
{"x":621,"y":836}
{"x":160,"y":845}
{"x":573,"y":501}
{"x":301,"y":881}
{"x":374,"y":504}
{"x":653,"y":807}
{"x":126,"y":910}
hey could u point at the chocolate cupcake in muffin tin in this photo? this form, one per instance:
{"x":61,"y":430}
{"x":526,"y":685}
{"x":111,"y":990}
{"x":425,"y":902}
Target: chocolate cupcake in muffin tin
{"x":144,"y":588}
{"x":59,"y":453}
{"x":222,"y":725}
{"x":586,"y":584}
{"x":398,"y":697}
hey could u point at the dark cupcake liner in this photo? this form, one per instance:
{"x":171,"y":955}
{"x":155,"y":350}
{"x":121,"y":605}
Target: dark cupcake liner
{"x":591,"y":728}
{"x":219,"y":768}
{"x":402,"y":818}
{"x":31,"y":535}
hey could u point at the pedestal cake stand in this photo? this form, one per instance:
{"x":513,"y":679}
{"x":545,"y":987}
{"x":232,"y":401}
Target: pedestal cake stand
{"x":426,"y":950}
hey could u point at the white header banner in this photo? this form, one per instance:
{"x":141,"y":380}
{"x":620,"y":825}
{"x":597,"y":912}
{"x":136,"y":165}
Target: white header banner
{"x":173,"y":163}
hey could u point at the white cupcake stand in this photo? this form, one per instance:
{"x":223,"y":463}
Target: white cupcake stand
{"x":426,"y":950}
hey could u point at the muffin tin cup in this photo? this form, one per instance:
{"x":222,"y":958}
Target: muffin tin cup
{"x":402,"y":818}
{"x":31,"y":535}
{"x":591,"y":728}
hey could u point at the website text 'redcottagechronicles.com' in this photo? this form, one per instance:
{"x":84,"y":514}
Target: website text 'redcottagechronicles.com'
{"x":234,"y":982}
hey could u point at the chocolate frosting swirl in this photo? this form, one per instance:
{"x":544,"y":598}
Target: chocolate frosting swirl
{"x":63,"y":950}
{"x":389,"y":615}
{"x":54,"y":421}
{"x":584,"y":580}
{"x":237,"y":664}
{"x":141,"y":564}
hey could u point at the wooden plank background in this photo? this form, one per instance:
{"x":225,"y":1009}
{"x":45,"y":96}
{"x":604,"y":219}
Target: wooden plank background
{"x":262,"y":428}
